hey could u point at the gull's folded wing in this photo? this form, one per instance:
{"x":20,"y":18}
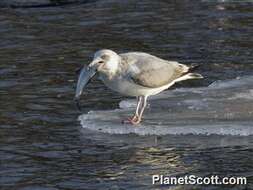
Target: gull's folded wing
{"x":150,"y":71}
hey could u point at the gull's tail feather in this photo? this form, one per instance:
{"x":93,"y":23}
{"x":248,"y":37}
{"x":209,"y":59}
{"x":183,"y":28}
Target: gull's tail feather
{"x":194,"y":76}
{"x":189,"y":76}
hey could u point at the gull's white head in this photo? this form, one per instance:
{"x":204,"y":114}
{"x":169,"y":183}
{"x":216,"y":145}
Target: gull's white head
{"x":106,"y":61}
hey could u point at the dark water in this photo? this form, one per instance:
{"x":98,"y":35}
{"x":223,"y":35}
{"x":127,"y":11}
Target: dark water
{"x":43,"y":146}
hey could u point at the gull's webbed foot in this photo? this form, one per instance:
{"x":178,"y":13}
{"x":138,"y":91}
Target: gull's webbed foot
{"x":134,"y":120}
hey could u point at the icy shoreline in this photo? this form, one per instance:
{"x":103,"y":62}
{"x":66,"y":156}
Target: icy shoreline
{"x":223,"y":108}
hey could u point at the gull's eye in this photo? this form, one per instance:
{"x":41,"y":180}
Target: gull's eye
{"x":100,"y":62}
{"x":105,"y":57}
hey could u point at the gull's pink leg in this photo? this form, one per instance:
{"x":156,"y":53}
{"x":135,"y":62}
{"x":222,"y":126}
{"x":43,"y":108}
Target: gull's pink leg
{"x":144,"y":104}
{"x":136,"y":115}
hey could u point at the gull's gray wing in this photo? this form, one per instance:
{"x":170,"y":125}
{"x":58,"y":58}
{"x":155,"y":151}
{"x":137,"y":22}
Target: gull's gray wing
{"x":150,"y":71}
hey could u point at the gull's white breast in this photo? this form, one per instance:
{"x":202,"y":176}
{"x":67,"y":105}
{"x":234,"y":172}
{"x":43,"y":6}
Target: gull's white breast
{"x":127,"y":87}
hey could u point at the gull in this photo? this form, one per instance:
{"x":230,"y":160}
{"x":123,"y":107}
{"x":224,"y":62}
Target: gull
{"x":135,"y":74}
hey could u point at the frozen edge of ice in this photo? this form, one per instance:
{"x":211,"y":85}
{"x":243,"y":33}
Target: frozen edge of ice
{"x":216,"y":129}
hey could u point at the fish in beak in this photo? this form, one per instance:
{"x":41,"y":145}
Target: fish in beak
{"x":85,"y":75}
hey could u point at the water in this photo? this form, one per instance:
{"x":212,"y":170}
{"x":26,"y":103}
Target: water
{"x":206,"y":124}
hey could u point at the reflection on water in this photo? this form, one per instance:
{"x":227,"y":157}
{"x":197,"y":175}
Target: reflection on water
{"x":42,"y":145}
